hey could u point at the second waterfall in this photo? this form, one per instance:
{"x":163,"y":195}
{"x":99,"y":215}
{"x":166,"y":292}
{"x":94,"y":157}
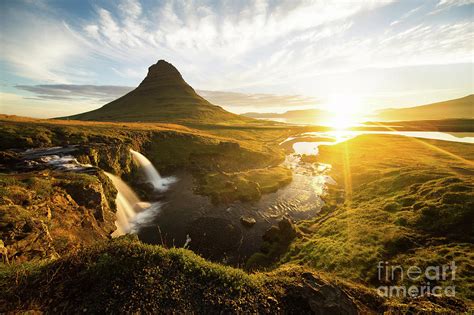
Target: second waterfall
{"x":151,"y":174}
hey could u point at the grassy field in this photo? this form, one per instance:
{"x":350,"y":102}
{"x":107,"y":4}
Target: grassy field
{"x":402,"y":200}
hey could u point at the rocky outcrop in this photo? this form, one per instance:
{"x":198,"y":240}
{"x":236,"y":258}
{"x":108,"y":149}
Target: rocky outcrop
{"x":247,"y":221}
{"x":46,"y":214}
{"x":214,"y":237}
{"x":114,"y":158}
{"x":276,"y":241}
{"x":314,"y":295}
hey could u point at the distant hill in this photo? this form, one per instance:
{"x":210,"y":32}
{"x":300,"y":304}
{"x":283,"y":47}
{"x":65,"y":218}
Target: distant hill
{"x":163,"y":96}
{"x":461,"y":108}
{"x":457,"y":108}
{"x":302,"y":116}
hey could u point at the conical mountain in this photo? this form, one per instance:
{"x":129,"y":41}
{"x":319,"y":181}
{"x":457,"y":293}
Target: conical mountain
{"x":163,"y":96}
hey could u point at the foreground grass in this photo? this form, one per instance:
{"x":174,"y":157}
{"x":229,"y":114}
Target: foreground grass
{"x":402,"y":200}
{"x":126,"y":276}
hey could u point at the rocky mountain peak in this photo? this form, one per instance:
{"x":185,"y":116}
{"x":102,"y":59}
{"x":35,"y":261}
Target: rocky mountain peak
{"x":162,"y":71}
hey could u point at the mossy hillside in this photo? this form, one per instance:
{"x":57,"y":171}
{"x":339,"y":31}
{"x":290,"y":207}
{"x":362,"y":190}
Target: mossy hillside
{"x":397,"y":197}
{"x":47,"y":214}
{"x":124,"y":275}
{"x":203,"y":154}
{"x":130,"y":276}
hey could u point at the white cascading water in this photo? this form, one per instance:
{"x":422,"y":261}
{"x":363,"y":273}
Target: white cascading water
{"x":128,"y":206}
{"x":131,"y":211}
{"x":151,"y":174}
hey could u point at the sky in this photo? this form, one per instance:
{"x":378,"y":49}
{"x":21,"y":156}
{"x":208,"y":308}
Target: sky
{"x":65,"y":57}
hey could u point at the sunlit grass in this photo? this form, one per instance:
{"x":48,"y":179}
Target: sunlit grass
{"x":395,"y":196}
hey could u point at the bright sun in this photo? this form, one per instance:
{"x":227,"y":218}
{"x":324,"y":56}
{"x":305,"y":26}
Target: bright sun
{"x":345,"y":111}
{"x":341,"y":122}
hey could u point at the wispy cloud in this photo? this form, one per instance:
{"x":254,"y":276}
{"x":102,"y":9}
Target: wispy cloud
{"x":101,"y":94}
{"x":264,"y":51}
{"x":43,"y":50}
{"x":95,"y":93}
{"x":246,"y":101}
{"x":236,"y":45}
{"x":13,"y":104}
{"x":193,"y":34}
{"x":427,"y":44}
{"x":448,"y":4}
{"x":406,"y":15}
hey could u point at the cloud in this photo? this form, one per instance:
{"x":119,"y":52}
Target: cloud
{"x":194,"y":35}
{"x":256,"y":101}
{"x":448,"y":4}
{"x":132,"y":8}
{"x":101,"y":94}
{"x":40,"y":48}
{"x":426,"y":44}
{"x":96,"y":93}
{"x":269,"y":51}
{"x":406,"y":15}
{"x":13,"y":104}
{"x":226,"y":31}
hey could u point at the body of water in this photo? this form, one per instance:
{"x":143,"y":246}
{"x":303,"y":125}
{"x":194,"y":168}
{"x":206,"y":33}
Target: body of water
{"x":311,"y":148}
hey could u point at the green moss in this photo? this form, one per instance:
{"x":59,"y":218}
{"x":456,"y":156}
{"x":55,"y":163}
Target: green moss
{"x":130,"y":276}
{"x":46,"y":213}
{"x":124,"y":275}
{"x":244,"y":186}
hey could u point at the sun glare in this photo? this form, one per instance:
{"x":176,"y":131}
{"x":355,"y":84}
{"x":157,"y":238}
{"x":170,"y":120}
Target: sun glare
{"x":345,"y":111}
{"x":340,"y":122}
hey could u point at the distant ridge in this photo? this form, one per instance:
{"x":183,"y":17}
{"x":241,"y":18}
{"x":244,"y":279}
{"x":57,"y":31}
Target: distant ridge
{"x":457,"y":108}
{"x":163,"y":96}
{"x":299,"y":116}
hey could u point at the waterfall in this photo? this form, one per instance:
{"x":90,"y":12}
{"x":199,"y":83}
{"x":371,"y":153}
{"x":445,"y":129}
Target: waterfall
{"x":151,"y":174}
{"x":128,"y":206}
{"x":132,"y":213}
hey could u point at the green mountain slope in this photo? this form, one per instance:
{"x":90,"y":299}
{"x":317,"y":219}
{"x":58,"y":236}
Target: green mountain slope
{"x":163,"y":96}
{"x":457,"y":108}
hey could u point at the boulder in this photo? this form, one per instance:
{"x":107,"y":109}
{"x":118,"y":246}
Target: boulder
{"x":247,"y":221}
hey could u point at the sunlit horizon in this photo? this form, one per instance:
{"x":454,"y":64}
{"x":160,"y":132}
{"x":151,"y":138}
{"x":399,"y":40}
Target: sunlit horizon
{"x":265,"y":56}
